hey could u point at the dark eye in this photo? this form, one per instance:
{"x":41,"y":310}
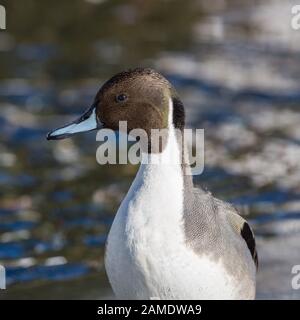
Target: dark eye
{"x":121,"y":97}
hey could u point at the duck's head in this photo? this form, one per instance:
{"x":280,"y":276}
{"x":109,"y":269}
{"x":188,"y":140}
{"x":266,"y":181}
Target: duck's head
{"x":142,"y":97}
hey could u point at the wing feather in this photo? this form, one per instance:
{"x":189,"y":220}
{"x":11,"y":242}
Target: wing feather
{"x":241,"y":226}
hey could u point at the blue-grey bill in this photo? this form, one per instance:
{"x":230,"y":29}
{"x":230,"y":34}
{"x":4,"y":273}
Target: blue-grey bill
{"x":87,"y":122}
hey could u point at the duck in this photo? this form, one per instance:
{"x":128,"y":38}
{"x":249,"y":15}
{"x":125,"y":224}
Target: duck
{"x":169,"y":239}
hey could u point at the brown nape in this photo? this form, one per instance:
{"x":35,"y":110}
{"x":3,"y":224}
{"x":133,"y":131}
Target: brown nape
{"x":141,"y":98}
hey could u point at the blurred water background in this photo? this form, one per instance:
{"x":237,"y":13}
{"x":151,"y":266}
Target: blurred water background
{"x":236,"y":65}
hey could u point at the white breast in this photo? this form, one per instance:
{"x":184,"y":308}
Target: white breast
{"x":146,"y":254}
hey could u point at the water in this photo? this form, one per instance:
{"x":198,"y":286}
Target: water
{"x":237,"y":71}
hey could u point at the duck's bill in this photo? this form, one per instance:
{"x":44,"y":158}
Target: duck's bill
{"x":87,"y":122}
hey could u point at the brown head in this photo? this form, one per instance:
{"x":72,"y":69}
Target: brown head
{"x":140,"y":96}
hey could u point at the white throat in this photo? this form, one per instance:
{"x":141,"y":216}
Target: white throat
{"x":149,"y":221}
{"x":160,"y":179}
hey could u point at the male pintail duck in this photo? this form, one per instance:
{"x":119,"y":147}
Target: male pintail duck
{"x":169,"y":240}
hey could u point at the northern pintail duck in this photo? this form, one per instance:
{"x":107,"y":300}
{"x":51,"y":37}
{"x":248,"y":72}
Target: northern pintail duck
{"x":168,"y":240}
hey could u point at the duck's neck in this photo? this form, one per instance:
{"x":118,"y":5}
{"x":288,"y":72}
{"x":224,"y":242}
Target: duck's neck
{"x":155,"y":200}
{"x":174,"y":157}
{"x":167,"y":171}
{"x":167,"y":160}
{"x":157,"y":192}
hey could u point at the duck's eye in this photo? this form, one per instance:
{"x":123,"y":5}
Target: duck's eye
{"x":121,"y":97}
